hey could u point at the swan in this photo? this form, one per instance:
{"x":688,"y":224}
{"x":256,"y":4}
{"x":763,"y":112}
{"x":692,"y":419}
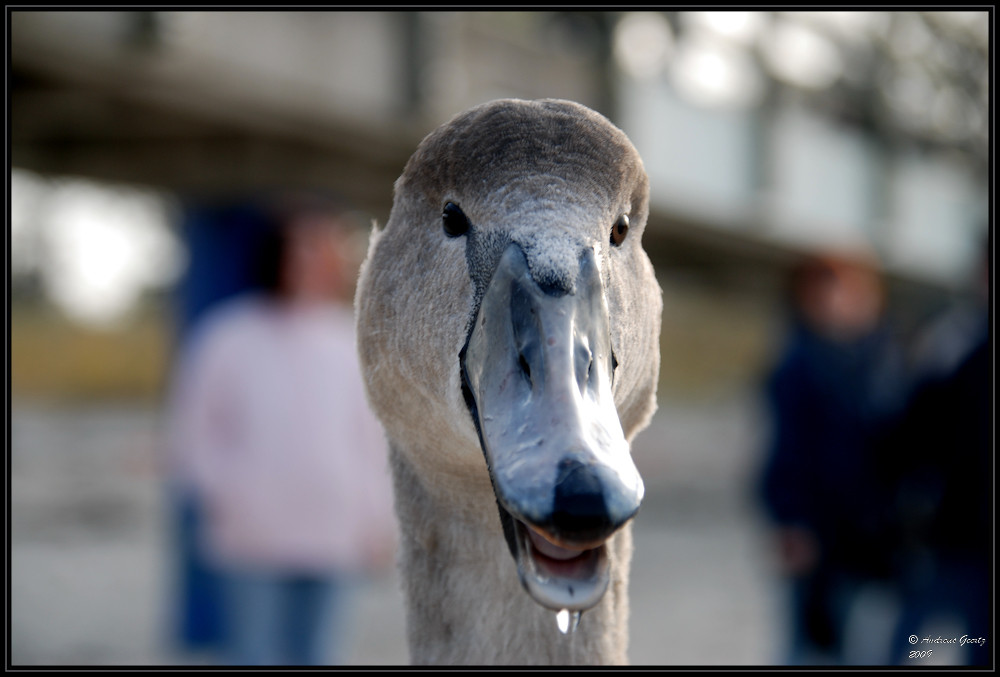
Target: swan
{"x":508,"y":330}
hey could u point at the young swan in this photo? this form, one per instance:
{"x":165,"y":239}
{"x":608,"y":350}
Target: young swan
{"x":508,"y":328}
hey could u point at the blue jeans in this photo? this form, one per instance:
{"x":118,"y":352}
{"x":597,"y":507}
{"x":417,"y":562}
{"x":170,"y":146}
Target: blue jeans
{"x":285,"y":619}
{"x":197,"y":622}
{"x":821,"y":602}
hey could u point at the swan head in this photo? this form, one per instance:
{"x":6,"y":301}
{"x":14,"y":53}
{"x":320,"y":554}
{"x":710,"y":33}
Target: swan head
{"x":509,"y":326}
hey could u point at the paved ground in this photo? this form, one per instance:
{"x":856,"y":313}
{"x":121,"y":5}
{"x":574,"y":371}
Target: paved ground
{"x":90,"y":563}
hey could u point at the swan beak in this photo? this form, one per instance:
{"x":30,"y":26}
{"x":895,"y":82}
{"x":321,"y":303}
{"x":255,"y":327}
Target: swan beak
{"x":538,"y":369}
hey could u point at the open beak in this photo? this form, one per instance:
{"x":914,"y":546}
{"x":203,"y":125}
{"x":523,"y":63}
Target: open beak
{"x":538,"y":369}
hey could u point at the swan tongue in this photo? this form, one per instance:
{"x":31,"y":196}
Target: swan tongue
{"x":551,"y":550}
{"x":537,"y":372}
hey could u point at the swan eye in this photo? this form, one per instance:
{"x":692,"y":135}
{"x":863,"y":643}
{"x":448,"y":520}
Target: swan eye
{"x":455,"y":221}
{"x":619,"y":230}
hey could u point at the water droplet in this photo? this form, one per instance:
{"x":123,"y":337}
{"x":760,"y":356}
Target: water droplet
{"x":562,"y":620}
{"x":567,"y":621}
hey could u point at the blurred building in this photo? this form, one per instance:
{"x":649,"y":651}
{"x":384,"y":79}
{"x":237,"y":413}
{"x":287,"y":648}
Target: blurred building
{"x":765,"y":134}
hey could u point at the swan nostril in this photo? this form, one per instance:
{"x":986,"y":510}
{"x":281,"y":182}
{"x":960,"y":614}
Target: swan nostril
{"x":525,"y":368}
{"x":584,"y":366}
{"x":588,"y":377}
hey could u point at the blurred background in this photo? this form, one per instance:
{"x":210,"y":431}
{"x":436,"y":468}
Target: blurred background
{"x":141,"y":141}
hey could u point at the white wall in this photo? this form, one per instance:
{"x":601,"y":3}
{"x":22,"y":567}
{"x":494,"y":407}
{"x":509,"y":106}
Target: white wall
{"x":699,"y":161}
{"x":824,"y":185}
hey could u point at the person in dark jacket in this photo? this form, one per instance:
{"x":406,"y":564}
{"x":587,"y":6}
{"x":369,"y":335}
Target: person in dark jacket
{"x":834,"y":389}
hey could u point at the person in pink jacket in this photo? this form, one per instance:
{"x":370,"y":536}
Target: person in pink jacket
{"x":272,"y":431}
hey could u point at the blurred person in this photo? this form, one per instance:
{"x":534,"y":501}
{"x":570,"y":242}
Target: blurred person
{"x":944,"y":486}
{"x":832,"y":395}
{"x":272,"y":429}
